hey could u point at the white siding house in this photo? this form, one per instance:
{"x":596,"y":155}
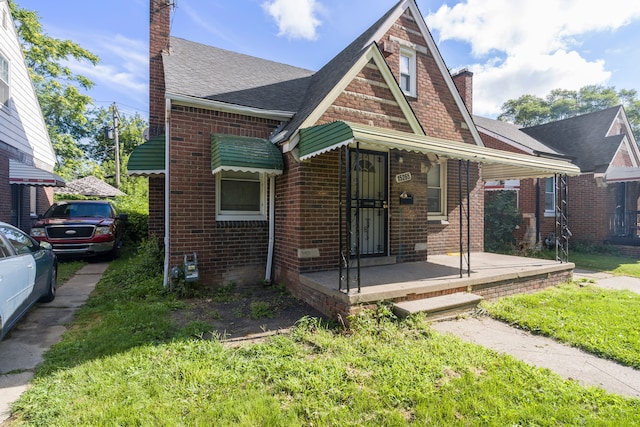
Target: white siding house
{"x":26,"y":154}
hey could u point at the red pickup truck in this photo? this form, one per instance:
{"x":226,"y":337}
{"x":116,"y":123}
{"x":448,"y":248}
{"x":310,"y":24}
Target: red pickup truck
{"x":81,"y":228}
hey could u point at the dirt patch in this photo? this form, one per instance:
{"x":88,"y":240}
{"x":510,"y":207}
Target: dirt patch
{"x":230,"y":312}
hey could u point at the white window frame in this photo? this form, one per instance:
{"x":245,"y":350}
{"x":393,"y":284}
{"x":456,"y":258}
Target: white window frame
{"x":442,"y":215}
{"x":552,"y":194}
{"x":260,"y":215}
{"x":7,"y":82}
{"x":411,"y":54}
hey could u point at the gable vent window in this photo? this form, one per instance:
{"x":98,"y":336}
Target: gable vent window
{"x":4,"y":81}
{"x":408,"y":72}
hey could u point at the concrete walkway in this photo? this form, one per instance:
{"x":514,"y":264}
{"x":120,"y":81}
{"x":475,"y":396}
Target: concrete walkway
{"x":545,"y":352}
{"x":23,"y":349}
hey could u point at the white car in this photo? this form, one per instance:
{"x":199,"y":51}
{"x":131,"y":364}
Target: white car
{"x":28,"y":274}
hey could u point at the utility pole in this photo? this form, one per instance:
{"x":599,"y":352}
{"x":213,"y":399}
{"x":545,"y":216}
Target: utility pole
{"x":116,"y":151}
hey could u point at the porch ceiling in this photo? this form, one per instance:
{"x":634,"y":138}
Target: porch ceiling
{"x":497,"y":164}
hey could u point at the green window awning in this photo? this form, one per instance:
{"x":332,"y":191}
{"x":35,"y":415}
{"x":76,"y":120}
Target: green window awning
{"x":497,"y":164}
{"x":244,"y":154}
{"x":148,"y":158}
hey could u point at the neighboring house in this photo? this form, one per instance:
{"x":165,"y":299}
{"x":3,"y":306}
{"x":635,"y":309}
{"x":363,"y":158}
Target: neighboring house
{"x":272,"y":172}
{"x":26,"y":154}
{"x":602,"y":201}
{"x":89,"y":186}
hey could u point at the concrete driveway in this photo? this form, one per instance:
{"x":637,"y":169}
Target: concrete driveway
{"x":23,"y":349}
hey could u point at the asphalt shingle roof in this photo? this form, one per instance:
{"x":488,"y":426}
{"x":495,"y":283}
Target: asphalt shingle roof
{"x":207,"y":72}
{"x":328,"y":76}
{"x":513,"y":133}
{"x":582,"y":138}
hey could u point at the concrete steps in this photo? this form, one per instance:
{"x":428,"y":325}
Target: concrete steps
{"x":439,"y":308}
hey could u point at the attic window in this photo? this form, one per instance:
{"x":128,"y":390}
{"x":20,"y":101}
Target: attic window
{"x":408,"y":71}
{"x":4,"y":81}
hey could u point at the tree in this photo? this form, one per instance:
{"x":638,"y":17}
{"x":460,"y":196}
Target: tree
{"x":530,"y":110}
{"x":58,"y":88}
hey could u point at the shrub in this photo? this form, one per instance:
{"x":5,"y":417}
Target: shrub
{"x":501,"y":217}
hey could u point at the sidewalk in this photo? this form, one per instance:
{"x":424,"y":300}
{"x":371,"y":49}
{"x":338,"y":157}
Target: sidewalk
{"x":42,"y":327}
{"x":569,"y":362}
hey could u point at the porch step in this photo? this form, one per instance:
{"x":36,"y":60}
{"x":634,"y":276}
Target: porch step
{"x":438,"y":308}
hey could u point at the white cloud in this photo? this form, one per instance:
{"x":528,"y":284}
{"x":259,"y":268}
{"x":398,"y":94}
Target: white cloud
{"x":537,"y":43}
{"x":295,"y":18}
{"x":123,"y":66}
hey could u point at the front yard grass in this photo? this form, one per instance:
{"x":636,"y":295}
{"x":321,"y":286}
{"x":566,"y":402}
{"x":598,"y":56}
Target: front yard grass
{"x":125,"y":363}
{"x":603,"y":322}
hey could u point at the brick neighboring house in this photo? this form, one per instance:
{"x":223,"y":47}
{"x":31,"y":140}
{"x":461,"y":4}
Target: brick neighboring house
{"x":26,"y":154}
{"x":270,"y":172}
{"x":603,"y":201}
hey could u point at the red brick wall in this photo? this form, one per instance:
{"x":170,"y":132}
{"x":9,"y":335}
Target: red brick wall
{"x":464,"y":83}
{"x":159,"y":29}
{"x":227,"y":251}
{"x":434,"y":104}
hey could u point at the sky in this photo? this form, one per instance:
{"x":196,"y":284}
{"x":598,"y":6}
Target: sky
{"x":513,"y":47}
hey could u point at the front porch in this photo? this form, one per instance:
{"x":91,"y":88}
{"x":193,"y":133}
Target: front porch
{"x":491,"y":276}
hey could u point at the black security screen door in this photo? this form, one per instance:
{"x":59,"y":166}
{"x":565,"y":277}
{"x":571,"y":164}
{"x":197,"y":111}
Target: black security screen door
{"x":368,"y":211}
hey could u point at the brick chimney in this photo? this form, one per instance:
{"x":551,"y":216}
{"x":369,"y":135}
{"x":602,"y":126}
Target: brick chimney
{"x":463,"y":80}
{"x":159,"y":32}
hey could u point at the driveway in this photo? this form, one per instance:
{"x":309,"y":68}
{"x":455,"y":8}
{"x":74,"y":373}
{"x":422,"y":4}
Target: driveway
{"x":23,"y":349}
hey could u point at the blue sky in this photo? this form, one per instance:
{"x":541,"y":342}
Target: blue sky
{"x":513,"y":47}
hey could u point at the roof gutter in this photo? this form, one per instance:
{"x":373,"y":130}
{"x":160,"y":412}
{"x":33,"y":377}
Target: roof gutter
{"x":194,"y":101}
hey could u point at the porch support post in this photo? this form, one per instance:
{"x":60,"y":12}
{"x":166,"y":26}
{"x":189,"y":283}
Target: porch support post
{"x":348,"y":224}
{"x":341,"y":256}
{"x":468,"y":223}
{"x":460,"y":210}
{"x":358,"y":169}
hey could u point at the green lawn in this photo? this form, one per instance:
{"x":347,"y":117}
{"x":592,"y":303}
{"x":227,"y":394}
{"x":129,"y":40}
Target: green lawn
{"x":619,"y":265}
{"x":603,"y":322}
{"x":125,"y":363}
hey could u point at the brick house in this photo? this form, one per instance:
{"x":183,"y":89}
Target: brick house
{"x":272,"y":172}
{"x":26,"y":154}
{"x":602,"y":201}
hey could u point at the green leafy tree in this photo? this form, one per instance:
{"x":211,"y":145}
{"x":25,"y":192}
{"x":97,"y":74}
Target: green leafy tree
{"x":530,"y":110}
{"x":59,"y":89}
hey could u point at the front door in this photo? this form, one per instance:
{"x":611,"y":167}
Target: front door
{"x":368,"y":203}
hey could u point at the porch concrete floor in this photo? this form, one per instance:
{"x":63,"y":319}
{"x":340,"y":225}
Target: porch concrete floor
{"x":439,"y":273}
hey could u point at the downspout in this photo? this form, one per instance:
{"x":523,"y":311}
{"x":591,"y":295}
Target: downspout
{"x":272,"y":226}
{"x":165,"y":280}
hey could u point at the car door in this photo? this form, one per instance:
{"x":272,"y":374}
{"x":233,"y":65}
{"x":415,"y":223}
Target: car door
{"x":17,"y":277}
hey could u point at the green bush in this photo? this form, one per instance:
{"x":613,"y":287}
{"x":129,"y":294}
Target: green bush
{"x":501,"y":217}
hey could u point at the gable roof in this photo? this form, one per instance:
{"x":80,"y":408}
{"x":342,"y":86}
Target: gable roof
{"x":582,"y":137}
{"x":209,"y":73}
{"x":512,"y":135}
{"x":328,"y":76}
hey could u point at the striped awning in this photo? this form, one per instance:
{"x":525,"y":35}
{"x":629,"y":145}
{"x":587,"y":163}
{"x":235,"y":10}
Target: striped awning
{"x":147,"y":158}
{"x":243,"y":154}
{"x":622,"y":174}
{"x":22,"y":174}
{"x":497,"y":164}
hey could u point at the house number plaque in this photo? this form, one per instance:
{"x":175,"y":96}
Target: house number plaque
{"x":403,"y":177}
